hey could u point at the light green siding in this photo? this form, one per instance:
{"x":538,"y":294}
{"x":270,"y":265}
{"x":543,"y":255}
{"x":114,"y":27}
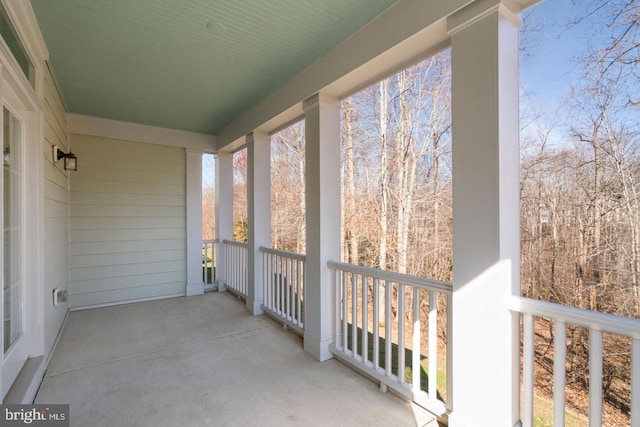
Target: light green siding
{"x":128,"y":221}
{"x":56,"y":211}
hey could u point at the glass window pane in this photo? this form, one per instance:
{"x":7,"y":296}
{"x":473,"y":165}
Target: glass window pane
{"x":13,"y":43}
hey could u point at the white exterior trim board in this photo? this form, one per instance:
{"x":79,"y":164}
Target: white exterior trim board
{"x":107,"y":128}
{"x":132,"y":301}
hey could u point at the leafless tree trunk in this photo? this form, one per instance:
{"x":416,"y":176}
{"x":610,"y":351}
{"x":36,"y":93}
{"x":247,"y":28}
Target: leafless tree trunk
{"x":384,"y":175}
{"x":350,"y":193}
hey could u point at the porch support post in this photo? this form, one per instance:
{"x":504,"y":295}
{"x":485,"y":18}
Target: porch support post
{"x":259,"y":213}
{"x":224,"y":211}
{"x":322,"y":201}
{"x":486,"y":220}
{"x":195,"y":284}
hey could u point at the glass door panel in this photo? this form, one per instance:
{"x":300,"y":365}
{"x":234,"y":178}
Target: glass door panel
{"x":12,"y":236}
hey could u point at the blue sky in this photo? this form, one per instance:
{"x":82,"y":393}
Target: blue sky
{"x":548,"y":64}
{"x":551,"y":43}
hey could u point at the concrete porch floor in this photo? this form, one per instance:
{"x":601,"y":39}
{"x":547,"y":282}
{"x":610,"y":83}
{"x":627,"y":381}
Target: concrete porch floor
{"x":204,"y":361}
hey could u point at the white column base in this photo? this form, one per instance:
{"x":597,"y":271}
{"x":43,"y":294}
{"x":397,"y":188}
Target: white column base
{"x":222,"y":286}
{"x":319,"y":349}
{"x":254,"y":307}
{"x":454,"y":422}
{"x":195,"y":289}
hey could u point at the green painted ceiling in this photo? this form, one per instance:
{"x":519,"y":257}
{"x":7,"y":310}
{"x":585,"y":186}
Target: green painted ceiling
{"x":187,"y":64}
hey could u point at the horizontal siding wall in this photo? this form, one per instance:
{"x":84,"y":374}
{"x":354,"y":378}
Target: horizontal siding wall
{"x":56,"y":210}
{"x":128,"y":221}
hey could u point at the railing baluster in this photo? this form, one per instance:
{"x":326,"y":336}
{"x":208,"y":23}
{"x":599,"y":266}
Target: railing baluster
{"x":230,"y":265}
{"x":236,"y":267}
{"x":449,"y":371}
{"x":335,"y":282}
{"x":294,"y":290}
{"x":354,"y":314}
{"x":237,"y":282}
{"x":595,"y":378}
{"x":559,"y":372}
{"x":299,"y":288}
{"x":205,"y":247}
{"x":283,"y":281}
{"x":376,"y":324}
{"x":287,"y":290}
{"x":266,"y":259}
{"x":225,"y":248}
{"x":216,"y":260}
{"x":276,"y":285}
{"x":290,"y":285}
{"x":265,"y":279}
{"x":245,"y":271}
{"x":401,"y":332}
{"x":415,"y":345}
{"x":433,"y":345}
{"x":528,"y":370}
{"x":272,"y":281}
{"x":345,"y":315}
{"x":635,"y":382}
{"x":365,"y":319}
{"x":387,"y":328}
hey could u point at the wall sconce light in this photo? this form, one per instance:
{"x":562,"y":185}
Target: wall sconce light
{"x":70,"y":159}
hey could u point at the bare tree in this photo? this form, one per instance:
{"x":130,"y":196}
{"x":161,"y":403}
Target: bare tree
{"x":287,"y":196}
{"x":240,"y":226}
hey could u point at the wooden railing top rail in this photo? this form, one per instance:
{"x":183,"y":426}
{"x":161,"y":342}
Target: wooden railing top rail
{"x":406,"y":279}
{"x":576,"y":316}
{"x":292,"y":255}
{"x":235,"y":243}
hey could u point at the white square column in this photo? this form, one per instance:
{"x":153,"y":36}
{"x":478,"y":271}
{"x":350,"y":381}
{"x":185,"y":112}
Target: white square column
{"x":322,"y":201}
{"x":224,"y":211}
{"x":195,"y":284}
{"x":486,"y":219}
{"x":259,"y":213}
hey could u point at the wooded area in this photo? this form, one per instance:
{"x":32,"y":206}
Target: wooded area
{"x":580,"y":183}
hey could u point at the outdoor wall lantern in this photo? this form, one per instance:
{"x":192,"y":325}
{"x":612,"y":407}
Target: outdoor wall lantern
{"x":70,"y":159}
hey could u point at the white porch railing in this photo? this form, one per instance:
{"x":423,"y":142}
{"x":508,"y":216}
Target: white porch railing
{"x":210,"y":256}
{"x":236,"y":254}
{"x":597,"y":324}
{"x":372,"y":309}
{"x":283,"y":278}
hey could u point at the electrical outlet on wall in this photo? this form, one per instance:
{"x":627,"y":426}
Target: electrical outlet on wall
{"x":60,"y":295}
